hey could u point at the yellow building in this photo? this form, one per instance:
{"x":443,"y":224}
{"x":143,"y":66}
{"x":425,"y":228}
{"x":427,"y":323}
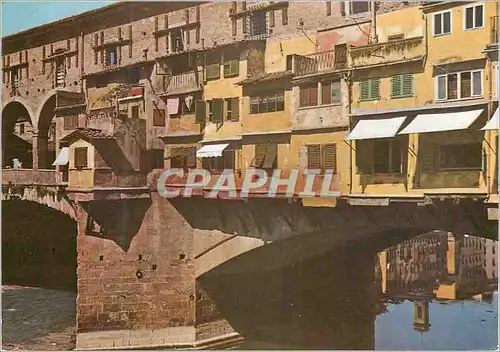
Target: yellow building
{"x":420,"y":101}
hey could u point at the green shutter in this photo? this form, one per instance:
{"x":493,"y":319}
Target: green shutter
{"x":375,"y":88}
{"x":200,"y":109}
{"x":396,"y":83}
{"x":407,"y":83}
{"x":235,"y":109}
{"x":365,"y":90}
{"x":218,"y":110}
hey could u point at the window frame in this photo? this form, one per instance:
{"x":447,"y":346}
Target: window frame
{"x":474,"y":27}
{"x":331,"y":84}
{"x":75,"y":158}
{"x":349,"y":9}
{"x":402,"y":83}
{"x":322,"y":157}
{"x":370,"y":95}
{"x":459,"y":85}
{"x":307,"y":87}
{"x":279,"y":97}
{"x":479,"y":167}
{"x":108,"y":49}
{"x":441,"y":13}
{"x":393,"y":143}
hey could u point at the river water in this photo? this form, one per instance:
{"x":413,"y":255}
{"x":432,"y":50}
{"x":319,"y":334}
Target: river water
{"x":434,"y":292}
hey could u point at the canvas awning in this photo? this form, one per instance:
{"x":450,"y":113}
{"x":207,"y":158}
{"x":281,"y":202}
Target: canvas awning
{"x":492,"y":123}
{"x":450,"y":121}
{"x":381,"y":128}
{"x":211,"y":150}
{"x":63,"y":157}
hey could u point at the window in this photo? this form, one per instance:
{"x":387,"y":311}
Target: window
{"x":322,"y":157}
{"x":309,"y":95}
{"x":232,"y":109}
{"x":15,"y":76}
{"x":461,"y":156}
{"x":212,"y":67}
{"x":420,"y":312}
{"x":442,"y":23}
{"x":21,"y":128}
{"x":474,"y":17}
{"x":111,"y":56}
{"x":330,"y":92}
{"x":266,"y":156}
{"x":215,"y":110}
{"x":218,"y":164}
{"x":60,"y":72}
{"x":388,"y":156}
{"x":370,"y":89}
{"x":183,"y":157}
{"x":258,"y":23}
{"x":158,"y":117}
{"x":356,"y":7}
{"x":402,"y":85}
{"x":394,"y":37}
{"x":52,"y":131}
{"x":176,"y":38}
{"x":81,"y":157}
{"x":135,"y":111}
{"x":133,"y":75}
{"x":70,"y":122}
{"x":459,"y":85}
{"x":187,"y":104}
{"x":231,"y":64}
{"x":270,"y":102}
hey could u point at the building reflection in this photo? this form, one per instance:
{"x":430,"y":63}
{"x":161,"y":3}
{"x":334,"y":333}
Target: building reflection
{"x":437,"y":266}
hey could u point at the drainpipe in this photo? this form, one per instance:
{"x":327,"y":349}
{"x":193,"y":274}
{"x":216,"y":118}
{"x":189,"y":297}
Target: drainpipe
{"x":374,"y":22}
{"x":349,"y":111}
{"x":488,"y":133}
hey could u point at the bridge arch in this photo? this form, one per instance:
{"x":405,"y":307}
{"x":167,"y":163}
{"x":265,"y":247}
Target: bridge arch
{"x":17,"y":133}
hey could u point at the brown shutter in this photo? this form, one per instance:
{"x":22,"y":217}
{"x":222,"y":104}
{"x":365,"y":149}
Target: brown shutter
{"x":342,"y":8}
{"x":176,"y":157}
{"x":200,"y":108}
{"x":81,"y":157}
{"x":326,"y":93}
{"x":218,"y":110}
{"x":158,"y":117}
{"x":234,"y":26}
{"x":330,"y":157}
{"x":190,"y":157}
{"x":271,"y":18}
{"x":260,"y":155}
{"x":284,"y":16}
{"x":314,"y":95}
{"x":314,"y":156}
{"x":328,"y":8}
{"x":271,"y":154}
{"x":364,"y":156}
{"x":235,"y":109}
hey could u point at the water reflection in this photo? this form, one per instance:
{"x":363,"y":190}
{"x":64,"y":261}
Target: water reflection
{"x":436,"y":291}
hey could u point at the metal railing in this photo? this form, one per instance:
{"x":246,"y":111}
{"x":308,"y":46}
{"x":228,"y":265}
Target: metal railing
{"x":187,"y":80}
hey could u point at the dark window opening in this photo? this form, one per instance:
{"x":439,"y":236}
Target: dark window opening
{"x":176,"y":37}
{"x":356,"y":7}
{"x":111,"y":56}
{"x":135,"y":112}
{"x":81,"y":157}
{"x":270,"y":102}
{"x":266,"y":156}
{"x":133,"y":75}
{"x":183,"y":157}
{"x":461,"y":156}
{"x":258,"y":23}
{"x":218,"y":164}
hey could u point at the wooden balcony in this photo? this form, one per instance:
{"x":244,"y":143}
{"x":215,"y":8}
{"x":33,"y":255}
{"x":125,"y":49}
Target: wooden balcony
{"x":325,"y":61}
{"x":29,"y":177}
{"x":388,"y":52}
{"x":185,"y":82}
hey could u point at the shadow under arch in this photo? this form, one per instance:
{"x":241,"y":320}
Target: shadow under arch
{"x":17,"y":135}
{"x":46,"y":133}
{"x":38,"y":246}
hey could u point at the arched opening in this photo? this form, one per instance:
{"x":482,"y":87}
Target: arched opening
{"x":47,"y":135}
{"x":17,"y":137}
{"x":39,"y":261}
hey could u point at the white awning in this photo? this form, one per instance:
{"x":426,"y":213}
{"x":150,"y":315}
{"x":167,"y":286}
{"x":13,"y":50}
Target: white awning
{"x":211,"y":150}
{"x":493,"y":122}
{"x":371,"y":129}
{"x":450,"y":121}
{"x":63,"y":157}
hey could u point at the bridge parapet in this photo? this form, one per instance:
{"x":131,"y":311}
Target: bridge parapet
{"x":29,"y":177}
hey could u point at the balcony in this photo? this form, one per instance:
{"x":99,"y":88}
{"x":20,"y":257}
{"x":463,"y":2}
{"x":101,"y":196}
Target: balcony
{"x":104,"y":178}
{"x":29,"y":177}
{"x":320,"y":62}
{"x":185,"y":82}
{"x":388,"y":52}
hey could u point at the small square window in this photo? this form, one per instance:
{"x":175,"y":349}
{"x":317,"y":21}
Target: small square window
{"x":111,"y":56}
{"x":135,"y":112}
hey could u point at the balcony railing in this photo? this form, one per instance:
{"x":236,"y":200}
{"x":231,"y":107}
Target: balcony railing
{"x":387,"y":52}
{"x":321,"y":62}
{"x":185,"y":82}
{"x":29,"y":177}
{"x":494,"y":30}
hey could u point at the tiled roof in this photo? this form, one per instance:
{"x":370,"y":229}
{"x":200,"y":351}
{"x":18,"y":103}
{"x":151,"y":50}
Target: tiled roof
{"x":88,"y":133}
{"x":267,"y":77}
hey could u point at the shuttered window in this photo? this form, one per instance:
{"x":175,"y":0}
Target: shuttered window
{"x":216,"y":111}
{"x":81,"y":157}
{"x":267,"y":102}
{"x":183,"y":157}
{"x":158,"y":117}
{"x":232,"y":109}
{"x":218,"y":164}
{"x":322,"y":157}
{"x":402,"y":85}
{"x":231,"y":64}
{"x":266,"y":156}
{"x":370,"y":89}
{"x":309,"y":95}
{"x":212,"y":66}
{"x":200,"y":109}
{"x":330,"y":92}
{"x":70,"y":122}
{"x":383,"y":156}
